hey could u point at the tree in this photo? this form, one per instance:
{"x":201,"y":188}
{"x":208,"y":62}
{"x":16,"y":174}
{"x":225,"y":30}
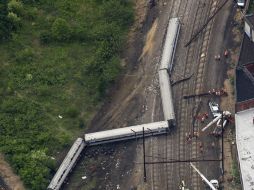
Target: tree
{"x":5,"y":24}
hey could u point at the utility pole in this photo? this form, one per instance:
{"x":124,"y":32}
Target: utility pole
{"x":222,"y":143}
{"x":144,"y":156}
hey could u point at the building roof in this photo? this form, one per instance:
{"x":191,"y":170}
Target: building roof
{"x":246,"y":54}
{"x":245,"y":146}
{"x":244,"y":85}
{"x":250,"y":19}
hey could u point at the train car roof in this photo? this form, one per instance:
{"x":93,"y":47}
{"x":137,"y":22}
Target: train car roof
{"x":168,"y":48}
{"x":64,"y":164}
{"x":125,"y":130}
{"x":166,"y":95}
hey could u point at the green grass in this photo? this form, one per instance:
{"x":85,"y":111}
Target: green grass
{"x":59,"y":61}
{"x":235,"y":173}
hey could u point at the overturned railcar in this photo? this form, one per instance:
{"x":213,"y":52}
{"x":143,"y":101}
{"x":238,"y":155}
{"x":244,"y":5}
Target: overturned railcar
{"x":166,"y":65}
{"x":67,"y":164}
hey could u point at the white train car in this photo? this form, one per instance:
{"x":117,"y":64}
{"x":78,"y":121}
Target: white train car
{"x":126,"y":133}
{"x":67,"y":165}
{"x":170,"y":44}
{"x":167,"y":99}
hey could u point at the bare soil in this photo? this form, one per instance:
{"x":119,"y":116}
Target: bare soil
{"x":10,"y":178}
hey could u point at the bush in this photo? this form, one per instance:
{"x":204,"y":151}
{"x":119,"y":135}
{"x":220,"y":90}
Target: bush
{"x":81,"y":123}
{"x":31,"y":13}
{"x":45,"y":37}
{"x":14,"y":20}
{"x":119,"y":12}
{"x":232,"y":80}
{"x":61,"y":30}
{"x":15,"y":7}
{"x":25,"y":56}
{"x":72,"y":112}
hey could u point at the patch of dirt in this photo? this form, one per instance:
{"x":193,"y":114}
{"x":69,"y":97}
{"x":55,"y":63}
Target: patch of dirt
{"x":140,"y":16}
{"x":228,"y":102}
{"x":150,"y":39}
{"x":9,"y":177}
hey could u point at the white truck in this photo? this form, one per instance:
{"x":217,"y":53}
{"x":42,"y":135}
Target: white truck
{"x":214,"y":107}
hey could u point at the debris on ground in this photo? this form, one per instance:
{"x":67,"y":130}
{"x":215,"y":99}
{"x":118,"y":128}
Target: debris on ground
{"x":83,"y":177}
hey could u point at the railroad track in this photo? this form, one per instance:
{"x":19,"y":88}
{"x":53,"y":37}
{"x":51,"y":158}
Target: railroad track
{"x":184,"y":107}
{"x":190,"y":62}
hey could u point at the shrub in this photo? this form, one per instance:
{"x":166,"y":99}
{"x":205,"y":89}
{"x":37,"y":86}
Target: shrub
{"x":72,"y":112}
{"x":235,"y":173}
{"x":15,"y":7}
{"x":61,"y":30}
{"x":118,"y":11}
{"x":232,"y":80}
{"x":81,"y":123}
{"x":14,"y":20}
{"x":25,"y":56}
{"x":45,"y":37}
{"x":30,"y":13}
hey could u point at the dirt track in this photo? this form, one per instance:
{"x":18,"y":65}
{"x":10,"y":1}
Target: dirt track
{"x":136,"y":100}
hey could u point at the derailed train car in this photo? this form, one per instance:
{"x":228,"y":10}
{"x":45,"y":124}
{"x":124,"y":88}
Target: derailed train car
{"x":170,"y":44}
{"x":166,"y":66}
{"x":126,"y":133}
{"x":67,"y":165}
{"x":166,"y":98}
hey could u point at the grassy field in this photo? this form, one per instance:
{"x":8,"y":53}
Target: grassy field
{"x":55,"y":66}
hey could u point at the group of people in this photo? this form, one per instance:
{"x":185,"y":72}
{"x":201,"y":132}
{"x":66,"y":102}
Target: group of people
{"x":217,"y":92}
{"x":217,"y":57}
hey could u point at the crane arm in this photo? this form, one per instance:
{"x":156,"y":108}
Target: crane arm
{"x":203,"y":177}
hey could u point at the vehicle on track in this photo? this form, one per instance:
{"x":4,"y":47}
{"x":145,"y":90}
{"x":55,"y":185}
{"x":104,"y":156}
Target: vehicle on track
{"x":67,"y":164}
{"x":166,"y":65}
{"x":167,"y":98}
{"x":170,"y":44}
